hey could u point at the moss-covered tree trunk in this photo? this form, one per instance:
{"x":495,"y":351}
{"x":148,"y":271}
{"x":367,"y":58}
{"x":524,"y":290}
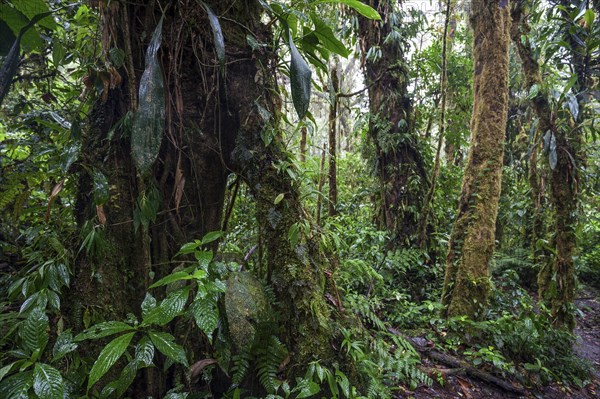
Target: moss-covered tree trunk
{"x":399,"y":165}
{"x":532,"y":74}
{"x":333,"y":146}
{"x":466,"y":284}
{"x":214,"y":125}
{"x":556,"y":280}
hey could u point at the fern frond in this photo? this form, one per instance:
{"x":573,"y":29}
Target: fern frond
{"x":269,"y":357}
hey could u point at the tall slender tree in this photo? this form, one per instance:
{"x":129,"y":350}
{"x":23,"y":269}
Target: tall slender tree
{"x":466,"y":284}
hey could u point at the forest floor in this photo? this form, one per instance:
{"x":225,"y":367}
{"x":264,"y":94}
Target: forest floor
{"x":462,"y":386}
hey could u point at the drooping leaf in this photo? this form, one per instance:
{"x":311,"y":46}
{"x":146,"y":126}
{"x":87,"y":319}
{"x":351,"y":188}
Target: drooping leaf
{"x":102,"y":330}
{"x":47,"y":382}
{"x":108,"y":357}
{"x":571,"y":102}
{"x":300,"y":77}
{"x":165,"y":343}
{"x":170,"y":307}
{"x":117,"y":388}
{"x":149,"y":119}
{"x":218,"y":40}
{"x":552,"y":156}
{"x":359,"y":6}
{"x":35,"y":330}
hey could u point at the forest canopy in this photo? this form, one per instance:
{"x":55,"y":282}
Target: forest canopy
{"x":295,"y":199}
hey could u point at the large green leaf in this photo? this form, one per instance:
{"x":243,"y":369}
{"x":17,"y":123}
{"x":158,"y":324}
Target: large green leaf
{"x":117,"y":388}
{"x":149,"y":119}
{"x":33,"y":8}
{"x":359,"y":6}
{"x":165,"y":343}
{"x":108,"y":357}
{"x":170,"y":307}
{"x":327,"y":37}
{"x":17,"y":385}
{"x":300,"y":77}
{"x":102,"y":330}
{"x":206,"y":314}
{"x":171,"y":278}
{"x":47,"y":382}
{"x":35,"y":329}
{"x":64,"y":344}
{"x":144,"y":351}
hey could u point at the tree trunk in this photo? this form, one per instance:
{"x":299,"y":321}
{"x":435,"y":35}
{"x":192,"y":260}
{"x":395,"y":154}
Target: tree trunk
{"x":400,"y":167}
{"x":333,"y":148}
{"x":212,"y":127}
{"x":556,"y":280}
{"x":466,"y":284}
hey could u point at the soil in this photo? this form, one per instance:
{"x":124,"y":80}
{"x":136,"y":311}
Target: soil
{"x":461,"y":386}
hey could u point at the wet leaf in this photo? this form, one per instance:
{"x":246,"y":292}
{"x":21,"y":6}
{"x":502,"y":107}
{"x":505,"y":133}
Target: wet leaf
{"x":359,"y":6}
{"x":218,"y":40}
{"x":108,"y":357}
{"x":552,"y":157}
{"x":300,"y":77}
{"x":149,"y":119}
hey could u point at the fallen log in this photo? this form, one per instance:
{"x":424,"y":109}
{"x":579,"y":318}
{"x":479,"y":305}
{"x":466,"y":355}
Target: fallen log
{"x":457,"y":363}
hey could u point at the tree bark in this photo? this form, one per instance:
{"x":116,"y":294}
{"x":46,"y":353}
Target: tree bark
{"x":213,"y":127}
{"x":466,"y":284}
{"x":400,"y":167}
{"x":333,"y":147}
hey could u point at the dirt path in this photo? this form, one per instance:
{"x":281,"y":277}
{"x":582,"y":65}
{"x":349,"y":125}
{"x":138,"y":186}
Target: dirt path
{"x":587,"y":346}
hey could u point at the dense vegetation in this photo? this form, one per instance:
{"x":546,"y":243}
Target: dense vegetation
{"x":293,"y":199}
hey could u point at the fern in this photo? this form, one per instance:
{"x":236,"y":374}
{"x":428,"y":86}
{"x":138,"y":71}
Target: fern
{"x":241,"y":366}
{"x":269,"y":357}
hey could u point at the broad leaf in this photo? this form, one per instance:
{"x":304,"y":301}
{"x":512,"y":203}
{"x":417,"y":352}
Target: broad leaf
{"x":144,"y":351}
{"x":64,"y":345}
{"x":117,"y":388}
{"x":300,"y":77}
{"x":171,"y":278}
{"x":17,"y":385}
{"x":102,"y":330}
{"x":35,"y":329}
{"x":327,"y":37}
{"x":359,"y":6}
{"x":148,"y":304}
{"x":108,"y":357}
{"x":149,"y":119}
{"x":47,"y":382}
{"x":164,"y":342}
{"x":5,"y":370}
{"x":206,"y":315}
{"x":211,"y":236}
{"x":170,"y":307}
